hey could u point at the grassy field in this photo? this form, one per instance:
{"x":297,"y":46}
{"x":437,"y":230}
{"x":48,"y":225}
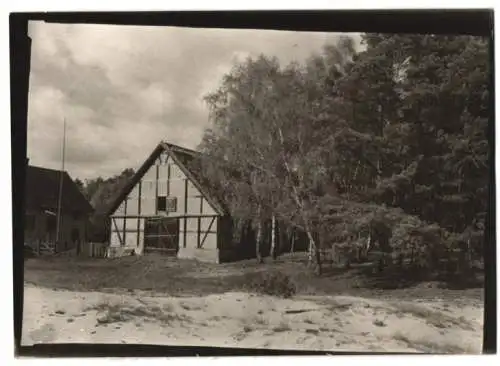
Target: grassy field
{"x":168,"y":276}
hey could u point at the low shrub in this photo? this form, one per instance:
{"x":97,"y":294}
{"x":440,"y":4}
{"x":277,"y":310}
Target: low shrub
{"x":274,"y":284}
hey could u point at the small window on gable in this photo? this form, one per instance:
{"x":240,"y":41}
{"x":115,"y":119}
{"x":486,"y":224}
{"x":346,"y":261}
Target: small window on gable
{"x":161,"y":203}
{"x":166,"y":204}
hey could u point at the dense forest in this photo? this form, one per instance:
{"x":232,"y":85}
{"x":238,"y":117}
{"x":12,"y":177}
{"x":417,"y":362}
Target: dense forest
{"x":388,"y":145}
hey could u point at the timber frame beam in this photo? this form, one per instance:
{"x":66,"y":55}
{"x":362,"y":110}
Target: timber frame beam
{"x":161,"y":216}
{"x":185,"y":212}
{"x":207,"y":232}
{"x":139,"y":213}
{"x":125,"y":221}
{"x":198,"y":234}
{"x":117,"y":231}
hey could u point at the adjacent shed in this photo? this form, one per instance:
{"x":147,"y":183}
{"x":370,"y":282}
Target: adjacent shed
{"x":166,"y":208}
{"x":41,"y":208}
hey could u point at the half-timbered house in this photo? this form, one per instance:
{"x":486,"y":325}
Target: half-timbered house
{"x":167,"y":209}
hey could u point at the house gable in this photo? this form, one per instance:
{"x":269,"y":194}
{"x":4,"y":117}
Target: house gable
{"x":165,"y":178}
{"x":152,"y":175}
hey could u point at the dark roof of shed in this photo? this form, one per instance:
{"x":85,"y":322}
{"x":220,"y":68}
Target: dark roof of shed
{"x":42,"y":191}
{"x":188,"y":160}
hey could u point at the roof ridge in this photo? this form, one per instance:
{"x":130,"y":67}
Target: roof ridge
{"x":50,"y":169}
{"x":179,"y":148}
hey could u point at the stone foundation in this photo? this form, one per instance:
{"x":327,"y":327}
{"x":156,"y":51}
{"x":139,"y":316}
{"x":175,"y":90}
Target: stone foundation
{"x":116,"y":252}
{"x":203,"y":255}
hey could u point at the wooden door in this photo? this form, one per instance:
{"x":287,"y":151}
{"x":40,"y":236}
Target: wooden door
{"x":161,"y":235}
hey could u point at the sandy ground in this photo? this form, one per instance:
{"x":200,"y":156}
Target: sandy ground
{"x":327,"y":323}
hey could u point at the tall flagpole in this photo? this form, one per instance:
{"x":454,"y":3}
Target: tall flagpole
{"x":59,"y":203}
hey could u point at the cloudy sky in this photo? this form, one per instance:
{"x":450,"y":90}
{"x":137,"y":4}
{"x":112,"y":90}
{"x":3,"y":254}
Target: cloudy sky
{"x":122,"y":89}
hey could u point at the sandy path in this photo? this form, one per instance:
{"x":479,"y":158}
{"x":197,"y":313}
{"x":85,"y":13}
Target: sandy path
{"x":337,"y":323}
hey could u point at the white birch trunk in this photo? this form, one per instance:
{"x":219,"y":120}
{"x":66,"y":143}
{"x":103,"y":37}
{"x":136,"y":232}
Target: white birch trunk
{"x":258,"y":238}
{"x":273,"y":238}
{"x":298,"y":201}
{"x":310,"y":250}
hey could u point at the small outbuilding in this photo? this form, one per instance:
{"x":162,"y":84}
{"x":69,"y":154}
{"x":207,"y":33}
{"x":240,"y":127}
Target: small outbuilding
{"x":42,"y":192}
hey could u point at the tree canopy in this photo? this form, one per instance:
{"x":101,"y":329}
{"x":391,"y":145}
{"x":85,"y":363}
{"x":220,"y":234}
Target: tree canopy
{"x":101,"y":192}
{"x":397,"y":133}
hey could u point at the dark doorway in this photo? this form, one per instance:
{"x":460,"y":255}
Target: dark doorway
{"x":51,"y":224}
{"x":161,"y":235}
{"x":75,"y":235}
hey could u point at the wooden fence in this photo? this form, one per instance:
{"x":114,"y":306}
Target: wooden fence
{"x":85,"y":249}
{"x":94,"y":250}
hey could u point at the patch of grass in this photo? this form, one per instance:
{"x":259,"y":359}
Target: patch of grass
{"x":438,"y":322}
{"x":328,"y":330}
{"x":266,"y":344}
{"x":415,"y":310}
{"x":424,"y":345}
{"x":218,"y":317}
{"x":398,"y":336}
{"x":341,"y":307}
{"x":379,"y":323}
{"x":282,"y":327}
{"x":260,"y":320}
{"x":189,"y":307}
{"x":121,"y":313}
{"x":110,"y":317}
{"x":433,"y":317}
{"x":192,"y":278}
{"x":312,"y":331}
{"x":462,"y":319}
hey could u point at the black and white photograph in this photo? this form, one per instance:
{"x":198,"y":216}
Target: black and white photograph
{"x":256,"y":188}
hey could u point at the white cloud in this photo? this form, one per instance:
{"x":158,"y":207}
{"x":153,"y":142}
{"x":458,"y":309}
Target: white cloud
{"x":124,"y":88}
{"x":154,"y":99}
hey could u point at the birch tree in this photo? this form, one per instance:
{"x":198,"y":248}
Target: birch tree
{"x":272,"y":118}
{"x":241,"y":141}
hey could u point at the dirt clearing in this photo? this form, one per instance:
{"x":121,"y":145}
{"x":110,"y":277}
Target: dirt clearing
{"x":237,"y":319}
{"x":161,"y":301}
